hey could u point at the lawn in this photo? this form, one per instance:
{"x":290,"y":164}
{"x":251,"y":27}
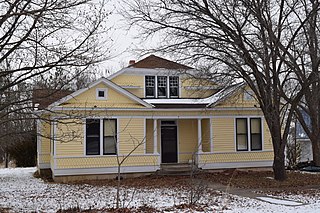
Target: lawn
{"x":214,"y":192}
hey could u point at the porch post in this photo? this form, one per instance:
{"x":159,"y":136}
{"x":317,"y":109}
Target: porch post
{"x":199,"y":136}
{"x":155,"y":136}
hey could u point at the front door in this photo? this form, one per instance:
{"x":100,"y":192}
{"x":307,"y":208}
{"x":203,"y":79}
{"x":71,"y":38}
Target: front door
{"x":169,"y":147}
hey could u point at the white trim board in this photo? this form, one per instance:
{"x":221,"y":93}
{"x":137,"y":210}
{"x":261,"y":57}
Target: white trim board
{"x":57,"y":108}
{"x":150,"y":71}
{"x":44,"y":166}
{"x":228,"y":165}
{"x":105,"y":170}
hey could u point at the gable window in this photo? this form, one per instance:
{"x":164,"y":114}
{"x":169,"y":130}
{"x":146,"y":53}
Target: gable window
{"x":162,"y":86}
{"x":174,"y":86}
{"x":101,"y":93}
{"x":101,"y":136}
{"x":246,"y":135}
{"x":150,"y":86}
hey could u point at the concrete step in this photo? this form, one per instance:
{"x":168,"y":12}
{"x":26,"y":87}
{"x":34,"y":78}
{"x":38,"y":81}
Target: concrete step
{"x":177,"y":169}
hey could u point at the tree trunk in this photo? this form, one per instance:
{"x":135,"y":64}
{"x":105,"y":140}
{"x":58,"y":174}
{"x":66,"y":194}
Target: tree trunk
{"x":279,"y":168}
{"x":316,"y":152}
{"x":118,"y":187}
{"x":6,"y":159}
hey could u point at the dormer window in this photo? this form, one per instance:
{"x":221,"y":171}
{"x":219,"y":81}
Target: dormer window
{"x":101,"y":93}
{"x":150,"y":86}
{"x":161,"y":87}
{"x":174,"y":86}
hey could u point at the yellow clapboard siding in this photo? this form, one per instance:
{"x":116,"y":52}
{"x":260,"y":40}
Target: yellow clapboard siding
{"x":236,"y":157}
{"x":105,"y":161}
{"x":149,"y":136}
{"x":131,"y":135}
{"x":196,"y":93}
{"x":223,"y":134}
{"x":69,"y":137}
{"x":238,"y":100}
{"x":114,"y":99}
{"x":188,"y":138}
{"x":267,"y":138}
{"x":45,"y":142}
{"x":131,"y":80}
{"x":44,"y":158}
{"x":205,"y":134}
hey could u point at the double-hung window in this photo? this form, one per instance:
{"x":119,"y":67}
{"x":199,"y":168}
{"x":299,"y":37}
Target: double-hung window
{"x":109,"y":137}
{"x":93,"y":137}
{"x":255,"y":134}
{"x":162,"y":86}
{"x":101,"y":142}
{"x":174,"y":86}
{"x":248,"y":134}
{"x":242,"y":134}
{"x":150,"y":86}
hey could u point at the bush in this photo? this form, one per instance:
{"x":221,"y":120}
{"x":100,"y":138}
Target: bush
{"x":24,"y":152}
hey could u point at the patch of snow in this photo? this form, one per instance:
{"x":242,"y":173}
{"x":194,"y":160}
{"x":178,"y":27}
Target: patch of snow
{"x":280,"y":201}
{"x":209,"y":100}
{"x":21,"y":192}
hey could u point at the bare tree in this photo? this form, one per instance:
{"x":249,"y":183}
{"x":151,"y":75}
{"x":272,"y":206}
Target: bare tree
{"x":307,"y":52}
{"x":48,"y":39}
{"x":245,"y":39}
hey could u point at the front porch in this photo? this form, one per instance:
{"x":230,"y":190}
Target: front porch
{"x":178,"y":140}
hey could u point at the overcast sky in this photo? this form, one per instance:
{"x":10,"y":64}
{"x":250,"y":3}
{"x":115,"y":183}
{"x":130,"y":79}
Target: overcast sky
{"x":124,"y":42}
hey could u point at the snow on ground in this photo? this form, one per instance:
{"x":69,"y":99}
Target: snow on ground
{"x":21,"y":192}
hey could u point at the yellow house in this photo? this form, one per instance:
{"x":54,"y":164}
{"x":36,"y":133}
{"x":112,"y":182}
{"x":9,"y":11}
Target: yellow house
{"x":149,"y":114}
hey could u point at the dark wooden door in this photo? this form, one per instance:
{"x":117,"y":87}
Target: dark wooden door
{"x":169,"y":147}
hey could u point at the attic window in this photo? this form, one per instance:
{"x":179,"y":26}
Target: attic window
{"x":101,"y":94}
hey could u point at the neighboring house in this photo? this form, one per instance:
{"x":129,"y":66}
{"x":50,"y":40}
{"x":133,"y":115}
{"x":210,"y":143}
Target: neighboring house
{"x":303,"y":140}
{"x":156,"y":113}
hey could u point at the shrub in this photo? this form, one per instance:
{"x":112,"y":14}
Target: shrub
{"x":24,"y":151}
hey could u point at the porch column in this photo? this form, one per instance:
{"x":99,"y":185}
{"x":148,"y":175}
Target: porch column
{"x":155,"y":136}
{"x":199,"y":136}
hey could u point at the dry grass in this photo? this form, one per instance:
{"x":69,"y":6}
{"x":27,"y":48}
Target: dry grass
{"x":250,"y":179}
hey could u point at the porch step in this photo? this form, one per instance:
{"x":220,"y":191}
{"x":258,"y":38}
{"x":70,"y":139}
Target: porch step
{"x":177,"y":169}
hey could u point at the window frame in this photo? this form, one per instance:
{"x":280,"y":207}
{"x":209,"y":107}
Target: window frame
{"x":114,"y":136}
{"x":170,"y":87}
{"x":105,"y":90}
{"x":154,"y":86}
{"x":93,"y":121}
{"x":249,"y":134}
{"x":167,"y":87}
{"x":245,"y":134}
{"x":101,"y":137}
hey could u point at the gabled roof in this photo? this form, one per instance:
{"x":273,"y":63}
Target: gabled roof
{"x":109,"y":84}
{"x":42,"y":98}
{"x":152,"y":63}
{"x":224,"y":94}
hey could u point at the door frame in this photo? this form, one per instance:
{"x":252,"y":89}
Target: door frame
{"x":177,"y":125}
